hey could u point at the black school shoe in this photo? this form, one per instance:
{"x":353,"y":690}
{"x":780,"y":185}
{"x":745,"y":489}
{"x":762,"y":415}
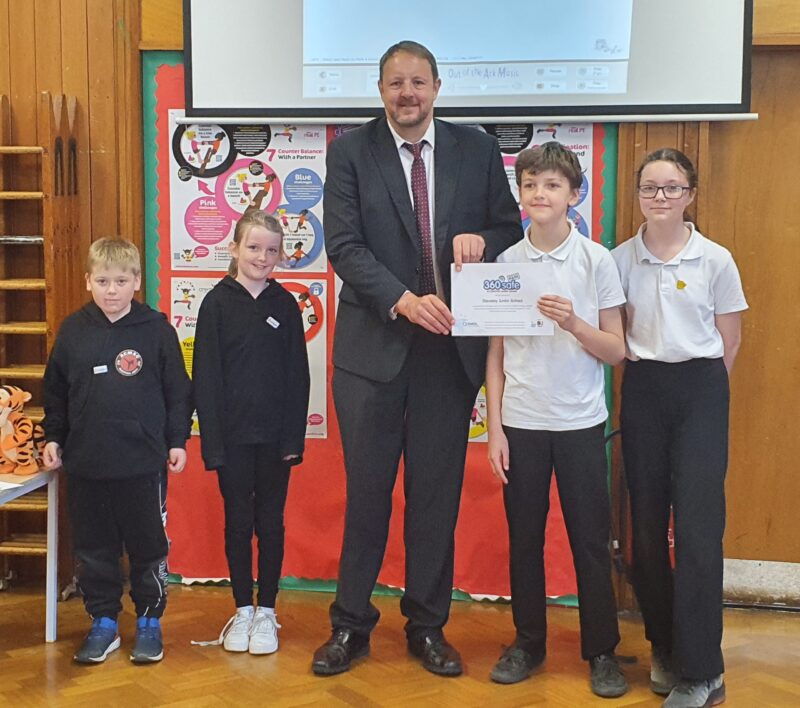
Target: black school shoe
{"x":606,"y":678}
{"x":335,"y":656}
{"x":515,"y":665}
{"x":438,"y":656}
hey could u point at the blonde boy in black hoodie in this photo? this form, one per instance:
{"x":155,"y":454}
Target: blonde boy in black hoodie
{"x":117,"y":412}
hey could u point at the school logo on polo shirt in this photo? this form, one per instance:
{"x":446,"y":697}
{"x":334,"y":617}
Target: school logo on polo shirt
{"x":128,"y":362}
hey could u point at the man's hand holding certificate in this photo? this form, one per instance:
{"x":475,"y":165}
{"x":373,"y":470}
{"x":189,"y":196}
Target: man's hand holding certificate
{"x":500,"y":299}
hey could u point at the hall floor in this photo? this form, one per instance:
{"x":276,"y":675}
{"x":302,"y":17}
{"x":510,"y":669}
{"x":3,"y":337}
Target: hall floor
{"x":762,"y":651}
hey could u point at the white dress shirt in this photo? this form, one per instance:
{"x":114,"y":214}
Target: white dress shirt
{"x":407,"y":160}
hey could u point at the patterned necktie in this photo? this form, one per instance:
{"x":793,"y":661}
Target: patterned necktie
{"x":419,"y":188}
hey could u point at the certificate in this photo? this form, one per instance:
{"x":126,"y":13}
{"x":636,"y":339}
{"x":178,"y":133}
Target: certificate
{"x":499,"y":299}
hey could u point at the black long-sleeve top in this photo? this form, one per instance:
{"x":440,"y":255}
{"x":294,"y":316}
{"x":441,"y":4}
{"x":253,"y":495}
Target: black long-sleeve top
{"x":116,"y":394}
{"x":250,"y":371}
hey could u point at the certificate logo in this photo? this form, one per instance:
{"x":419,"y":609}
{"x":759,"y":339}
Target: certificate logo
{"x":502,"y":283}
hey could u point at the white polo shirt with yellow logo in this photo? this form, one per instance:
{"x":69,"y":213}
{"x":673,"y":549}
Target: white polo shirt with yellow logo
{"x":671,"y":306}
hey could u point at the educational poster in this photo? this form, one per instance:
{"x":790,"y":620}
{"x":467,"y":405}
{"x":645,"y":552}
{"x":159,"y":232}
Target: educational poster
{"x":188,"y":293}
{"x":578,"y":137}
{"x":312,"y":296}
{"x":478,"y":431}
{"x":217,"y":172}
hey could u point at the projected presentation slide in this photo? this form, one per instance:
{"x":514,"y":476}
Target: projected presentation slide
{"x":318,"y":59}
{"x":511,"y":52}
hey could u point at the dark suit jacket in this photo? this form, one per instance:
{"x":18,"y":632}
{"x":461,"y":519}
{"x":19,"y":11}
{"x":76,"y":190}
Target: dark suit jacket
{"x":371,"y":236}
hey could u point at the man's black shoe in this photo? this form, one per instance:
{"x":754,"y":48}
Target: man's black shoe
{"x":607,"y":680}
{"x":335,"y":655}
{"x":437,"y":655}
{"x":515,"y":665}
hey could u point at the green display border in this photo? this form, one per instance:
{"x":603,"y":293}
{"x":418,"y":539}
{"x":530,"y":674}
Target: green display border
{"x":329,"y":586}
{"x":608,"y":238}
{"x":608,"y":220}
{"x":150,"y":63}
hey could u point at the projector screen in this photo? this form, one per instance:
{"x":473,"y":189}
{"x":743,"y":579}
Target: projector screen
{"x":513,"y":59}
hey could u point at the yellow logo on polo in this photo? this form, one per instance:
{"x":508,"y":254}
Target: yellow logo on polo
{"x":681,"y":285}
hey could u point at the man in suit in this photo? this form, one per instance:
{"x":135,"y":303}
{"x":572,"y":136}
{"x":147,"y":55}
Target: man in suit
{"x":405,"y":196}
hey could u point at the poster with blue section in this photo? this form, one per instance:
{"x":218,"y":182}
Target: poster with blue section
{"x":217,"y":172}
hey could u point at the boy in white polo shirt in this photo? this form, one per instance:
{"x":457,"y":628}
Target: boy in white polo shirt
{"x":546,"y":411}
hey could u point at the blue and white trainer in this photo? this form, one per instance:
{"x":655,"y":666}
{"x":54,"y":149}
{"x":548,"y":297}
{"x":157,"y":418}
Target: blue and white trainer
{"x":148,"y":646}
{"x":100,"y":642}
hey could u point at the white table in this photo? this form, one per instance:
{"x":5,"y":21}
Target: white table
{"x":23,"y":486}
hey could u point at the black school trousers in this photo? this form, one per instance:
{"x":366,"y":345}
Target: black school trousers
{"x":107,"y":517}
{"x":675,"y":447}
{"x":581,"y":471}
{"x":254,"y":483}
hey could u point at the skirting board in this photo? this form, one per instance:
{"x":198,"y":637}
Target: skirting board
{"x":762,"y":582}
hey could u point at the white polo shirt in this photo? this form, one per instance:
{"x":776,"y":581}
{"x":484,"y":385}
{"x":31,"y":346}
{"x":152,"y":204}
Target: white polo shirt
{"x":671,"y":306}
{"x":553,"y":383}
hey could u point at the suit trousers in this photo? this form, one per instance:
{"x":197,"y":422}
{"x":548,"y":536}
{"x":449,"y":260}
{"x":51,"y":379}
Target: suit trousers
{"x":581,"y":471}
{"x":107,"y":515}
{"x":423,"y":414}
{"x":254,"y":483}
{"x":675,"y":446}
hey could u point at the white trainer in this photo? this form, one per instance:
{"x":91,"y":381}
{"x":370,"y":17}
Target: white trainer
{"x":696,"y":694}
{"x":235,"y":634}
{"x":264,"y":632}
{"x":662,"y":678}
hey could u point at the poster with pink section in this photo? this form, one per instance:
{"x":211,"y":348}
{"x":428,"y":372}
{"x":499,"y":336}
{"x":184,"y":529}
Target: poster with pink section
{"x":217,"y":172}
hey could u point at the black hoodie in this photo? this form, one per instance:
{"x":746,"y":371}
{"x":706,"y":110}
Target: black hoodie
{"x":116,"y":394}
{"x":250,"y":371}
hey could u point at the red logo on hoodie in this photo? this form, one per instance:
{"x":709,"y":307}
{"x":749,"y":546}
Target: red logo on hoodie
{"x":128,"y":362}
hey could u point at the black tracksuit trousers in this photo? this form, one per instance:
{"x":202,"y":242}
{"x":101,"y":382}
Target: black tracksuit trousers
{"x":108,"y":516}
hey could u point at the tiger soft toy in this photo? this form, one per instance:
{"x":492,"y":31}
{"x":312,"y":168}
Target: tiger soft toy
{"x":21,"y":440}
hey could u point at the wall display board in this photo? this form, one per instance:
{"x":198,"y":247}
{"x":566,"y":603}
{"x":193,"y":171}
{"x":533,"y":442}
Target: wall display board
{"x":200,"y":177}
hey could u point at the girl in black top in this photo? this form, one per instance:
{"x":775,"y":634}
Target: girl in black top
{"x":251,"y":385}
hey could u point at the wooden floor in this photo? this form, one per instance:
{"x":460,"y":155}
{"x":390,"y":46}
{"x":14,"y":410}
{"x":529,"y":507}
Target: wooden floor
{"x":762,"y":651}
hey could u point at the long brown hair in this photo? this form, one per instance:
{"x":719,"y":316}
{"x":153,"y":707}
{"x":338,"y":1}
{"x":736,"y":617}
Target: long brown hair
{"x":251,"y":218}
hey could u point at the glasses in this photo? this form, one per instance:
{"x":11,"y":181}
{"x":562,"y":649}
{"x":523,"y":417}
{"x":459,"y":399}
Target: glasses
{"x":671,"y":191}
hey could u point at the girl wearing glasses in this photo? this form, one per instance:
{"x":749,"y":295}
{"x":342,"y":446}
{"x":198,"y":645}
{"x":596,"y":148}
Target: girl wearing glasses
{"x":683,"y":328}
